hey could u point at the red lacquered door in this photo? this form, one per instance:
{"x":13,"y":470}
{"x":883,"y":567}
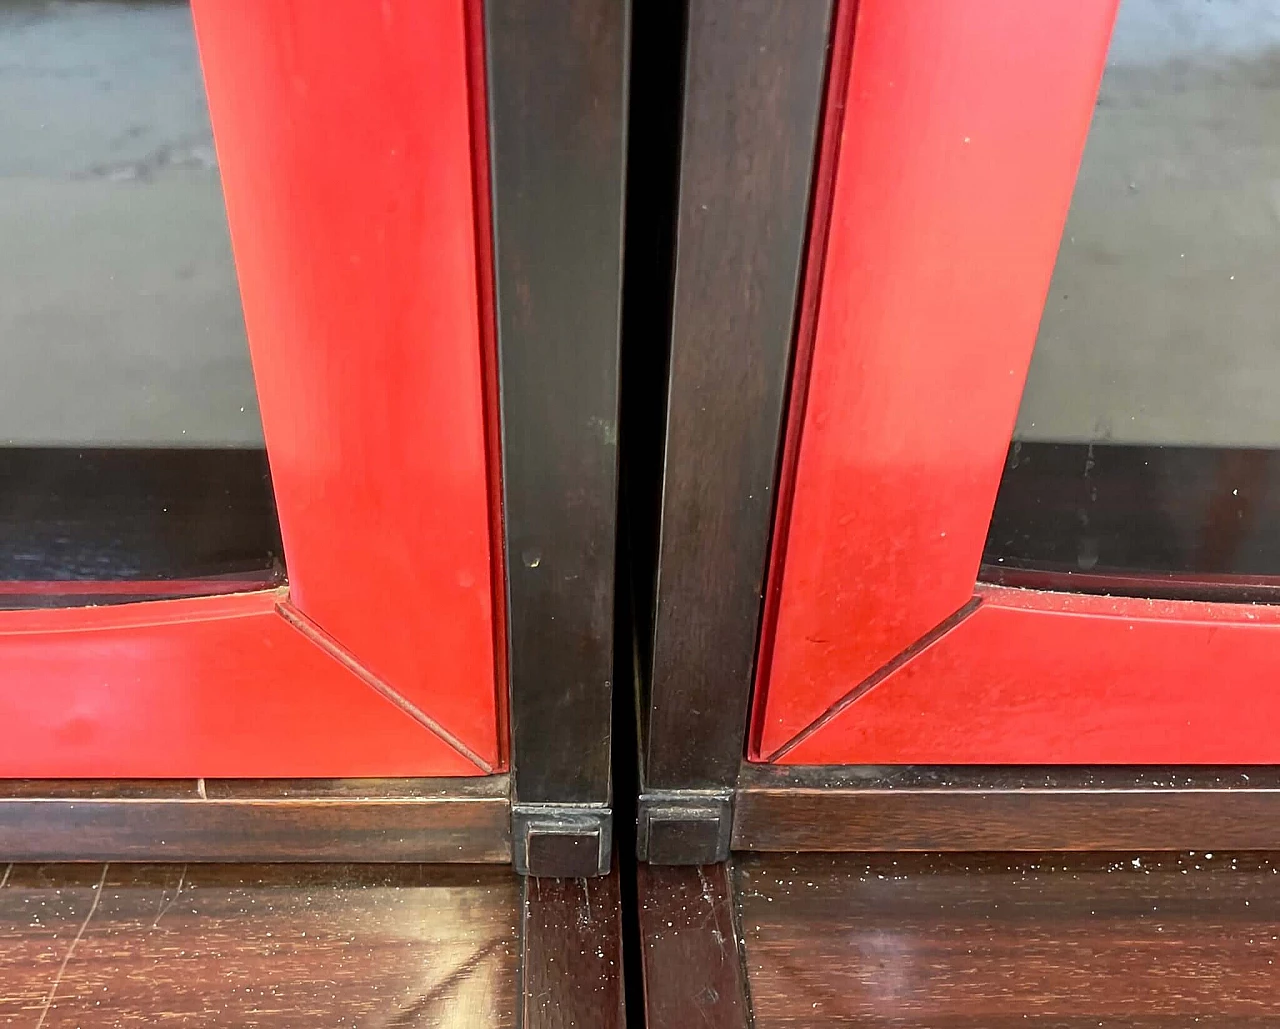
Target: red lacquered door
{"x":1115,"y":608}
{"x":350,"y":145}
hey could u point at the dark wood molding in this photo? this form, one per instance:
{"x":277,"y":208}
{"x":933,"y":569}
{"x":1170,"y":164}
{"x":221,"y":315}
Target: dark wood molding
{"x":557,"y":88}
{"x":691,"y":949}
{"x":571,"y":953}
{"x":365,"y":820}
{"x":753,"y":93}
{"x":854,"y":808}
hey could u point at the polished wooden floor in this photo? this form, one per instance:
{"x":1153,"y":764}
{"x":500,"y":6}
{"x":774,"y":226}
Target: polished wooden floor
{"x":993,"y":941}
{"x":208,"y":945}
{"x":964,"y":941}
{"x":772,"y":941}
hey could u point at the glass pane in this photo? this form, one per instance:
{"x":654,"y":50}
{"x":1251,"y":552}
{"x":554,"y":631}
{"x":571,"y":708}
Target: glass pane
{"x":131,"y":451}
{"x":1146,"y":456}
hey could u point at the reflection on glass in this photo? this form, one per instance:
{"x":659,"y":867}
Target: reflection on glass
{"x":1145,"y":439}
{"x":130,"y":440}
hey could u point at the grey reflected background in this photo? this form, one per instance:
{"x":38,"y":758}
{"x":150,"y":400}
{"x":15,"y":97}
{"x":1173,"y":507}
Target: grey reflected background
{"x":120,"y":320}
{"x":1162,"y":324}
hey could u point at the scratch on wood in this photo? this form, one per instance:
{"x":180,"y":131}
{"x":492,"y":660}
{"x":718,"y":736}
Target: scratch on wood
{"x":166,"y":905}
{"x":426,"y":1004}
{"x":5,"y":878}
{"x":53,"y":990}
{"x":717,"y":933}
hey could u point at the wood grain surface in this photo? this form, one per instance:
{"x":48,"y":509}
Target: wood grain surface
{"x":244,"y":945}
{"x":462,"y":820}
{"x":557,"y":143}
{"x":753,"y":86}
{"x":1028,"y":808}
{"x":693,"y":973}
{"x":1149,"y":940}
{"x":571,"y":954}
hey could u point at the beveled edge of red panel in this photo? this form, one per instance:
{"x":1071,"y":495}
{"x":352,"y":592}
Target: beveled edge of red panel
{"x":847,"y":700}
{"x":483,"y":208}
{"x":822,"y":192}
{"x":326,"y":643}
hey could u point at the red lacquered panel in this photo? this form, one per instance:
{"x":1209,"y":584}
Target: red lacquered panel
{"x":1052,"y":678}
{"x":211,"y":686}
{"x":344,"y":141}
{"x":962,"y":131}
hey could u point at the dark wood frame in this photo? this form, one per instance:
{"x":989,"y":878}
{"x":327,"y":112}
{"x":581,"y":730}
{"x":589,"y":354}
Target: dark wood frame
{"x":557,"y":112}
{"x":753,"y":87}
{"x":571,"y":953}
{"x":692,"y":956}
